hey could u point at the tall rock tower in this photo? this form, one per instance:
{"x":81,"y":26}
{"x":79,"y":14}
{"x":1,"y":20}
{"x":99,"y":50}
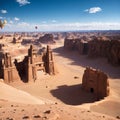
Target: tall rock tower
{"x":9,"y":70}
{"x":31,"y":69}
{"x":49,"y":61}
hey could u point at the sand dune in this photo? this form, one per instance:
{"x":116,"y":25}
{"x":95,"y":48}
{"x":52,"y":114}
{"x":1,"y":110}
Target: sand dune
{"x":12,"y":94}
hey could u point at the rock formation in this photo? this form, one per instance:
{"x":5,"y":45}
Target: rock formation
{"x":17,"y":40}
{"x":96,"y":82}
{"x":27,"y":69}
{"x":98,"y":47}
{"x":108,"y":49}
{"x":70,"y":44}
{"x":82,"y":46}
{"x":76,"y":44}
{"x":33,"y":62}
{"x":8,"y":70}
{"x":47,"y":38}
{"x":2,"y":37}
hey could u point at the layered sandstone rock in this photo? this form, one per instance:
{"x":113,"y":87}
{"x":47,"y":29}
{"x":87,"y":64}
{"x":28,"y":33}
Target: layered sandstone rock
{"x":47,"y":38}
{"x":98,"y":47}
{"x":8,"y":70}
{"x":114,"y":56}
{"x":78,"y":44}
{"x":108,"y":49}
{"x":27,"y":69}
{"x":17,"y":40}
{"x":70,"y":44}
{"x":96,"y":82}
{"x":82,"y":46}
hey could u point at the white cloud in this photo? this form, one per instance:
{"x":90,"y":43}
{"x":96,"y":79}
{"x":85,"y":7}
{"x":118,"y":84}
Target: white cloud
{"x":23,"y":2}
{"x":23,"y":26}
{"x":93,"y":10}
{"x":54,"y":21}
{"x":44,"y":22}
{"x":16,"y":19}
{"x":11,"y":22}
{"x":3,"y":11}
{"x":1,"y":17}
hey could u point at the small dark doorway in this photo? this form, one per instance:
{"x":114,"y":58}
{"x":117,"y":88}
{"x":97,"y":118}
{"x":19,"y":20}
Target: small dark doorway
{"x":91,"y":90}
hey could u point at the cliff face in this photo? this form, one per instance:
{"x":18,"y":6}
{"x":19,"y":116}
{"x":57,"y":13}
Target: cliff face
{"x":96,"y":48}
{"x":114,"y":56}
{"x":108,"y":49}
{"x":76,"y":44}
{"x":70,"y":44}
{"x":47,"y":38}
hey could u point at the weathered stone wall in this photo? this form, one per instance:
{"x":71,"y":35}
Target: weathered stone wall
{"x":27,"y":69}
{"x":82,"y":47}
{"x":49,"y":63}
{"x":76,"y":44}
{"x":114,"y":56}
{"x":96,"y":48}
{"x":47,"y":38}
{"x":8,"y":69}
{"x":96,"y":82}
{"x":108,"y":49}
{"x":17,"y":40}
{"x":70,"y":44}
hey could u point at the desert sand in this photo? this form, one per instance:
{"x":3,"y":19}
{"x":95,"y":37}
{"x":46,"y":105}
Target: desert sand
{"x":60,"y":97}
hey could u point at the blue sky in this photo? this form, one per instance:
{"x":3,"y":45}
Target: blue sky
{"x":60,"y":15}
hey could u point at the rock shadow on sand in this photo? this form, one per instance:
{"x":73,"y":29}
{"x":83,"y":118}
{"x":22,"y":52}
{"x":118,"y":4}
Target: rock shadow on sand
{"x":83,"y":60}
{"x":73,"y":95}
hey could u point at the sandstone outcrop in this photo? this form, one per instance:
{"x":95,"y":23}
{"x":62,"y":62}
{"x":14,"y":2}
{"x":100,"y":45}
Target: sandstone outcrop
{"x":8,"y":70}
{"x":17,"y":40}
{"x":27,"y":69}
{"x":70,"y":44}
{"x":96,"y":82}
{"x":108,"y":49}
{"x":47,"y":38}
{"x":76,"y":44}
{"x":98,"y":47}
{"x":114,"y":56}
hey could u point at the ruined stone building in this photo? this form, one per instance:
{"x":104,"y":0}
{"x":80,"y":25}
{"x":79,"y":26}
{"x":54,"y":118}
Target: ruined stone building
{"x":8,"y":70}
{"x":27,"y":69}
{"x":96,"y":82}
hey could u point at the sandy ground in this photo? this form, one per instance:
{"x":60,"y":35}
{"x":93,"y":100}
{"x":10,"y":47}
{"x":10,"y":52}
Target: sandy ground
{"x":16,"y":111}
{"x":63,"y":91}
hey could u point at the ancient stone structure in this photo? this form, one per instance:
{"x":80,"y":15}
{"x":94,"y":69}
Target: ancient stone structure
{"x":96,"y":82}
{"x":47,"y":38}
{"x":17,"y":40}
{"x":27,"y":69}
{"x":70,"y":44}
{"x":49,"y":63}
{"x":8,"y":70}
{"x":82,"y":47}
{"x":98,"y":47}
{"x":76,"y":44}
{"x":108,"y":49}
